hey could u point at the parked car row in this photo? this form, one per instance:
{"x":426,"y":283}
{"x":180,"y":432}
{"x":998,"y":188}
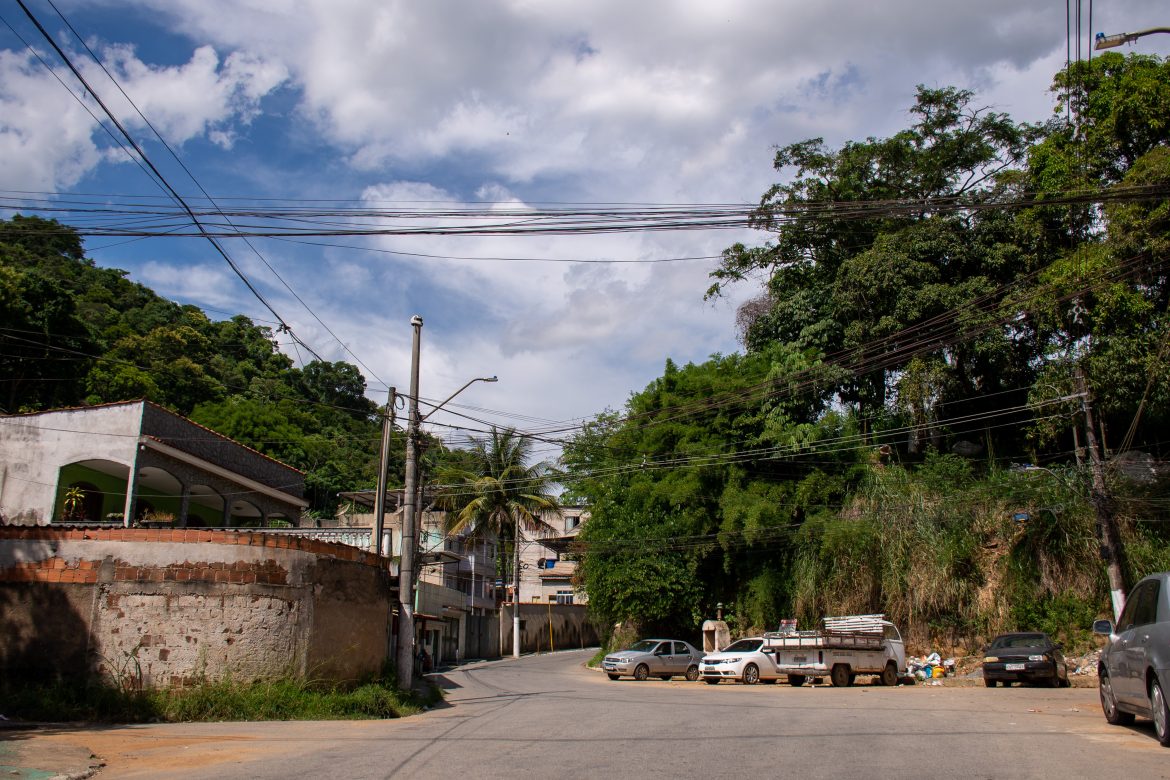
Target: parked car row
{"x":1133,"y":670}
{"x":843,"y":649}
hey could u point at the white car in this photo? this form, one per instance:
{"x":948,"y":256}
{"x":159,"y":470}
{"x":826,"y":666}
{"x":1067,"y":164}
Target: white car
{"x":743,"y":660}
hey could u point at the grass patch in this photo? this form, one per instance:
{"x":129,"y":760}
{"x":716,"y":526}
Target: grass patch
{"x":597,"y":658}
{"x":281,"y":699}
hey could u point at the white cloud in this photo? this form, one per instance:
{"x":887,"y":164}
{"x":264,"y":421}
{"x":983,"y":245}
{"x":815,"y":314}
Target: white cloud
{"x":200,"y":97}
{"x":211,"y":284}
{"x":45,"y":135}
{"x":49,"y":141}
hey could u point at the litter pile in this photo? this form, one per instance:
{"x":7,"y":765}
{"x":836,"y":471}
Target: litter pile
{"x":1083,"y":664}
{"x":931,"y":667}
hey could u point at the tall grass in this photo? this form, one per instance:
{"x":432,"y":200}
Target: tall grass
{"x":287,"y":698}
{"x":954,"y":558}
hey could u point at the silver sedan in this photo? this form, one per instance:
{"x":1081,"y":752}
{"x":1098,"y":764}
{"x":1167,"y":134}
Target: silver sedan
{"x":662,"y":658}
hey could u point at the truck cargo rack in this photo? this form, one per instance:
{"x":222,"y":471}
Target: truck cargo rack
{"x":855,"y":632}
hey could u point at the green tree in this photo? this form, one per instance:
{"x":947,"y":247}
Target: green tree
{"x":873,"y":287}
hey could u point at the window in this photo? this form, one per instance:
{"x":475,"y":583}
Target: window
{"x":563,"y":597}
{"x":1128,"y":615}
{"x":1147,"y":607}
{"x":680,"y":648}
{"x":572,"y":522}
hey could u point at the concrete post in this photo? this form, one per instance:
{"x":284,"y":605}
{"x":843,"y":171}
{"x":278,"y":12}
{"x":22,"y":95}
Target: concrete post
{"x":409,"y":538}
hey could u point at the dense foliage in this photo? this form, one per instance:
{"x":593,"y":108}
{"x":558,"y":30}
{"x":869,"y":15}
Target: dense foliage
{"x":928,"y":301}
{"x":73,"y":334}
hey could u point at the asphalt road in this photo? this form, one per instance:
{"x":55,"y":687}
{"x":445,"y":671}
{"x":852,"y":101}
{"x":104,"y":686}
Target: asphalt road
{"x":548,"y":716}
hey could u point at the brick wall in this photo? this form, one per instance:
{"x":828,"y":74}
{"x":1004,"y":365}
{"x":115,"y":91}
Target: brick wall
{"x":179,"y":604}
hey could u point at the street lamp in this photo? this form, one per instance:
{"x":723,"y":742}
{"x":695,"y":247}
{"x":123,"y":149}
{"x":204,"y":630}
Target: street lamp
{"x":444,"y":402}
{"x":1109,"y":41}
{"x":406,"y":567}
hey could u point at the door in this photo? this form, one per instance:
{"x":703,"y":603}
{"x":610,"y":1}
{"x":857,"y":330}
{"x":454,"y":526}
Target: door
{"x":894,"y":647}
{"x":663,"y":662}
{"x":1131,"y":648}
{"x":682,"y":658}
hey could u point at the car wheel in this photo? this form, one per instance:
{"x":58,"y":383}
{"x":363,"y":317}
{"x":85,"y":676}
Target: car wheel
{"x":796,"y":680}
{"x":1109,"y":704}
{"x":613,"y":676}
{"x":889,"y":675}
{"x":1160,"y":712}
{"x":711,"y":680}
{"x":989,"y":682}
{"x":751,"y":674}
{"x":841,"y":676}
{"x":692,"y":673}
{"x":641,"y":672}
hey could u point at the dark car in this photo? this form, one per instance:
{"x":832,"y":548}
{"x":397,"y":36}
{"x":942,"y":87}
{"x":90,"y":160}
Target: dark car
{"x":1134,"y":670}
{"x":1024,"y":657}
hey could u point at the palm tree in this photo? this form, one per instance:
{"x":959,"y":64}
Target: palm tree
{"x":500,"y":493}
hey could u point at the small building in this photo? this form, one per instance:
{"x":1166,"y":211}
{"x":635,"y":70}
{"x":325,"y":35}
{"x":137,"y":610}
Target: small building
{"x":547,"y":566}
{"x":133,"y":463}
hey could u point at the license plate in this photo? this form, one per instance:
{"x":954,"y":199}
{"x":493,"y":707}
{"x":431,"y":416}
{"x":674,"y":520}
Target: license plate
{"x":1014,"y":667}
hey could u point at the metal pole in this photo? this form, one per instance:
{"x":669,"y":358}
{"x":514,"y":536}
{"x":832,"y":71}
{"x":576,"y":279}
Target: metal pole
{"x":516,"y":593}
{"x":406,"y":567}
{"x":383,"y":466}
{"x":1106,"y":524}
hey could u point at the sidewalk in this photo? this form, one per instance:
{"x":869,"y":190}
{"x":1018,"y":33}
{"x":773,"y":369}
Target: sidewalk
{"x":26,"y":753}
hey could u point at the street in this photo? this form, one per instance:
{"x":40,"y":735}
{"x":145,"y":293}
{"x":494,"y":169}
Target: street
{"x":548,"y":715}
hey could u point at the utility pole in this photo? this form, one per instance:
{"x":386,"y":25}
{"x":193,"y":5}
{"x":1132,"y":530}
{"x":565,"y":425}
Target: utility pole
{"x":1107,"y":531}
{"x":516,"y":593}
{"x":383,"y":467}
{"x":409,"y":540}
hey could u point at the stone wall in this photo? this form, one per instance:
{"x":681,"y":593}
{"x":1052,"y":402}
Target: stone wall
{"x":174,"y":606}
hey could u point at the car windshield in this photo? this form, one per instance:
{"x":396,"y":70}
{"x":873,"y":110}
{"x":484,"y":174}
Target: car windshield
{"x":645,"y":646}
{"x":744,"y":646}
{"x":1019,"y":640}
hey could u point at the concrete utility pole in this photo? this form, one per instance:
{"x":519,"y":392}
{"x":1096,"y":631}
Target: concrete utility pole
{"x":383,"y":466}
{"x":409,"y":542}
{"x":1107,"y":531}
{"x":516,"y":593}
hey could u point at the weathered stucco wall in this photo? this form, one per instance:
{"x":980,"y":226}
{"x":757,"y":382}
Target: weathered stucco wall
{"x":571,"y":628}
{"x":179,"y":605}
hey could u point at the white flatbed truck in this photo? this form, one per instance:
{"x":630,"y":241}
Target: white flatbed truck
{"x":843,"y":649}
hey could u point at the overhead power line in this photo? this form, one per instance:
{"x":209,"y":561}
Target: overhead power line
{"x":111,"y":219}
{"x":195,"y":222}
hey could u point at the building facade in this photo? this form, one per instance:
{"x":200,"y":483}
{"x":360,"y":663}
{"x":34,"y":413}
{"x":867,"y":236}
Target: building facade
{"x":136,"y":463}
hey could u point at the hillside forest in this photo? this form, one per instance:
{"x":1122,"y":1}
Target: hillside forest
{"x":905,"y":429}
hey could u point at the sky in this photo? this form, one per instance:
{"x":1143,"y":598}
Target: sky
{"x":520,"y":103}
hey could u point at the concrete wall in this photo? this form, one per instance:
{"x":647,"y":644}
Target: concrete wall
{"x":571,"y":628}
{"x":179,"y":605}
